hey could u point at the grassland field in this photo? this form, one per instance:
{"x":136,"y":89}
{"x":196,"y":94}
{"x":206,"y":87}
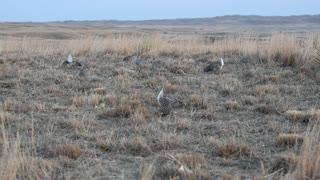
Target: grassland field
{"x":256,"y":118}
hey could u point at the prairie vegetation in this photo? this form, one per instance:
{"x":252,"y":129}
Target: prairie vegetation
{"x":256,"y":118}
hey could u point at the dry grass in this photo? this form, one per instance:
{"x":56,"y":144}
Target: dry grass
{"x":308,"y":163}
{"x":231,"y":149}
{"x":184,"y":123}
{"x":135,"y":146}
{"x":107,"y":144}
{"x":289,"y":139}
{"x":108,"y":123}
{"x":265,"y":89}
{"x":198,"y":101}
{"x":265,"y":108}
{"x":17,"y":163}
{"x":304,"y":166}
{"x":227,"y":176}
{"x":191,"y":166}
{"x":90,"y":100}
{"x":101,"y":91}
{"x":282,"y":47}
{"x":125,"y":108}
{"x":5,"y":117}
{"x":249,"y":100}
{"x":38,"y":107}
{"x":284,"y":163}
{"x":173,"y":88}
{"x":111,"y":99}
{"x":119,"y":111}
{"x":9,"y":105}
{"x":73,"y":151}
{"x":229,"y":85}
{"x":303,"y":116}
{"x":140,"y":114}
{"x":231,"y":105}
{"x":147,"y":172}
{"x":272,"y":78}
{"x":190,"y":160}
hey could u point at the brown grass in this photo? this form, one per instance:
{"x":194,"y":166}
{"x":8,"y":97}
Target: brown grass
{"x":90,"y":100}
{"x":54,"y":90}
{"x":174,"y":88}
{"x":284,"y":163}
{"x":9,"y":105}
{"x":140,"y":114}
{"x":38,"y":107}
{"x":303,"y":116}
{"x":191,"y":166}
{"x":272,"y":78}
{"x":166,"y":142}
{"x":123,"y":81}
{"x":111,"y":99}
{"x":100,"y":90}
{"x":227,"y":176}
{"x":73,"y":151}
{"x":229,"y":84}
{"x":135,"y":146}
{"x":119,"y":111}
{"x":184,"y":123}
{"x":198,"y":101}
{"x":308,"y":164}
{"x":147,"y":172}
{"x":5,"y":117}
{"x":289,"y":139}
{"x":125,"y":108}
{"x":282,"y":47}
{"x":190,"y":160}
{"x":265,"y":108}
{"x":231,"y":148}
{"x":231,"y":105}
{"x":107,"y":144}
{"x":16,"y":162}
{"x":264,"y":89}
{"x":109,"y":120}
{"x":249,"y":100}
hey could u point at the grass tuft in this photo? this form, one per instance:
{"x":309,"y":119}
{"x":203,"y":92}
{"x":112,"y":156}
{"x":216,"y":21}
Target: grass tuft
{"x":231,"y":105}
{"x":229,"y":149}
{"x":289,"y":139}
{"x":198,"y":101}
{"x":303,"y":116}
{"x":284,"y":163}
{"x":73,"y":151}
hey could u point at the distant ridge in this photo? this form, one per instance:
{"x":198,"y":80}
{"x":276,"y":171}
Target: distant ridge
{"x":211,"y":26}
{"x":229,"y":20}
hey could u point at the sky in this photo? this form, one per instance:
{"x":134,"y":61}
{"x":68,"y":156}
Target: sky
{"x":60,"y":10}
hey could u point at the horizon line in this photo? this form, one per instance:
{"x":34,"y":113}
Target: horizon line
{"x":156,"y":19}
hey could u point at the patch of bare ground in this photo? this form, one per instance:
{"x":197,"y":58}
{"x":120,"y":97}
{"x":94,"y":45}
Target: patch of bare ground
{"x":251,"y":119}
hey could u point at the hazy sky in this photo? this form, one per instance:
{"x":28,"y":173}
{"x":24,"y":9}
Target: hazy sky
{"x":59,"y":10}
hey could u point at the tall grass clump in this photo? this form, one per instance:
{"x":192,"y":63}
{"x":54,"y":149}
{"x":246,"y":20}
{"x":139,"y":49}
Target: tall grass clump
{"x":283,"y":47}
{"x":17,"y":163}
{"x":308,"y":166}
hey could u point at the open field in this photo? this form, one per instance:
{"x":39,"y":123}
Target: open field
{"x":257,"y":117}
